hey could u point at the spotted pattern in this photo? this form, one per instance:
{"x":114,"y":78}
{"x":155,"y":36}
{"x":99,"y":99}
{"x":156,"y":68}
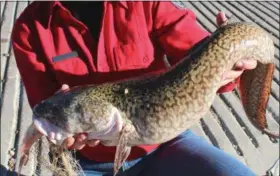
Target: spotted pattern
{"x":161,"y":107}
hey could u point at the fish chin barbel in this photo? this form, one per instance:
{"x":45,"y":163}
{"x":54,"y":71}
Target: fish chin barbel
{"x":156,"y":109}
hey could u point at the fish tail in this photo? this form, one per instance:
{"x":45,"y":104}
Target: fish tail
{"x":255,"y":88}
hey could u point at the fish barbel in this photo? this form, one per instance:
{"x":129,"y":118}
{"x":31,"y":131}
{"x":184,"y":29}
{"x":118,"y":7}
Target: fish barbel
{"x":154,"y":110}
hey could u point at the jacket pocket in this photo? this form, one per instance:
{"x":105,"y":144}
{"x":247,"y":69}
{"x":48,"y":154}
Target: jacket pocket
{"x":68,"y":66}
{"x":130,"y":56}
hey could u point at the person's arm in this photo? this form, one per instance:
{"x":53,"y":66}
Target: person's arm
{"x":177,"y":31}
{"x":39,"y":83}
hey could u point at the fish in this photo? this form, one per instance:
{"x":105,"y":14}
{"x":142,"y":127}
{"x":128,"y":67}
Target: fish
{"x":155,"y":109}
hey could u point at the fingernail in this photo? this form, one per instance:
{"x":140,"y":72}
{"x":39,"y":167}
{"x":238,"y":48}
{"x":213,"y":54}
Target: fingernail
{"x":239,"y":64}
{"x":64,"y":87}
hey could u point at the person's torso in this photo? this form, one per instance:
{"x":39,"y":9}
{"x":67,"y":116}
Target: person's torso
{"x":99,"y":45}
{"x":89,"y":45}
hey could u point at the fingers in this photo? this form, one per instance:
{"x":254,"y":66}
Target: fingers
{"x":246,"y":64}
{"x":93,"y":143}
{"x":227,"y":81}
{"x":221,"y":19}
{"x":240,"y":66}
{"x":78,"y":142}
{"x":232,"y":74}
{"x":64,"y":87}
{"x":68,"y":142}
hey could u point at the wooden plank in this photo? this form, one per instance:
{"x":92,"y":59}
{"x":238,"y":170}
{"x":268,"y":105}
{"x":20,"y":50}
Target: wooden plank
{"x":197,"y":129}
{"x":274,"y":3}
{"x":270,"y":7}
{"x":232,"y":9}
{"x":215,"y":10}
{"x":268,"y":13}
{"x":11,"y":101}
{"x":5,"y":37}
{"x":273,"y":107}
{"x":205,"y":12}
{"x":202,"y":19}
{"x":275,"y":90}
{"x":264,"y":144}
{"x":223,"y":141}
{"x":209,"y":15}
{"x":252,"y":156}
{"x":214,"y":7}
{"x":9,"y":112}
{"x":253,"y":17}
{"x":25,"y":119}
{"x":276,"y":76}
{"x":2,"y":4}
{"x":237,"y":109}
{"x":256,"y":13}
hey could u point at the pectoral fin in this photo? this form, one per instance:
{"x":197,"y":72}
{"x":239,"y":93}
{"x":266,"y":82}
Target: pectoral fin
{"x":23,"y":161}
{"x":30,"y":138}
{"x":122,"y":151}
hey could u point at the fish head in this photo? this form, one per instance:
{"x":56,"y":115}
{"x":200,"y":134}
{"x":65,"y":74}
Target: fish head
{"x":74,"y":112}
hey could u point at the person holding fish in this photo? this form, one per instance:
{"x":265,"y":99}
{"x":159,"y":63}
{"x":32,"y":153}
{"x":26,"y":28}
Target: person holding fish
{"x":61,"y":44}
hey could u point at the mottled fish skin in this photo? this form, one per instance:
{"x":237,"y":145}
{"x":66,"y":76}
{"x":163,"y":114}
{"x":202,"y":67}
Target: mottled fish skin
{"x":161,"y":107}
{"x":156,"y":109}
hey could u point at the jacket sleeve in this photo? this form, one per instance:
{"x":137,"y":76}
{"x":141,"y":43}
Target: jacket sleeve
{"x":177,"y":30}
{"x":39,"y":83}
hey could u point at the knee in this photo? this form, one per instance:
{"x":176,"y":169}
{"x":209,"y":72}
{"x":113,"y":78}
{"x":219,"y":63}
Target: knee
{"x":189,"y":154}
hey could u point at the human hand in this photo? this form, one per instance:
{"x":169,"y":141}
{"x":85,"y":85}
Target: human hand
{"x":221,"y":19}
{"x":240,"y":66}
{"x":80,"y":140}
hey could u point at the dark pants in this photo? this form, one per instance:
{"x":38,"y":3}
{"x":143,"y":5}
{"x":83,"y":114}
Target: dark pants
{"x":186,"y":155}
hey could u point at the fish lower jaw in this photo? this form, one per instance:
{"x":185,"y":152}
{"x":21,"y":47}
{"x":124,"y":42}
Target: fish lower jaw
{"x":57,"y":135}
{"x":52,"y":132}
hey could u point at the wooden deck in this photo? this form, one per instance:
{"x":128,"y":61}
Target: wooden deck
{"x":225,"y":125}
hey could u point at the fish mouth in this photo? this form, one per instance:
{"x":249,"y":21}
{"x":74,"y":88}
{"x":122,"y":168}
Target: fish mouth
{"x":57,"y":135}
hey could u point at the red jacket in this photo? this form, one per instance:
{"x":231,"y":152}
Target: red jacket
{"x":52,"y":48}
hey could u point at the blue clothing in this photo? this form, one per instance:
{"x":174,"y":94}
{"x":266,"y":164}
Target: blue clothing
{"x":185,"y":155}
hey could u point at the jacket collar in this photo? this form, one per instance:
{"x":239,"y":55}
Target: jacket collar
{"x":56,"y":3}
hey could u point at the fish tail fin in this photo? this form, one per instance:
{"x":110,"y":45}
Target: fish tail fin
{"x":255,"y":87}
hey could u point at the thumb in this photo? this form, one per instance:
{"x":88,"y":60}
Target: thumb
{"x":63,"y":88}
{"x":221,"y":19}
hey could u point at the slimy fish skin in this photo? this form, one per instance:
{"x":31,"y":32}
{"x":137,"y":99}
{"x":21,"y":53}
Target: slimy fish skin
{"x":154,"y":110}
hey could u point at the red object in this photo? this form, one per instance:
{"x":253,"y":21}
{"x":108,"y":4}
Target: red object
{"x":52,"y":48}
{"x":221,"y":18}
